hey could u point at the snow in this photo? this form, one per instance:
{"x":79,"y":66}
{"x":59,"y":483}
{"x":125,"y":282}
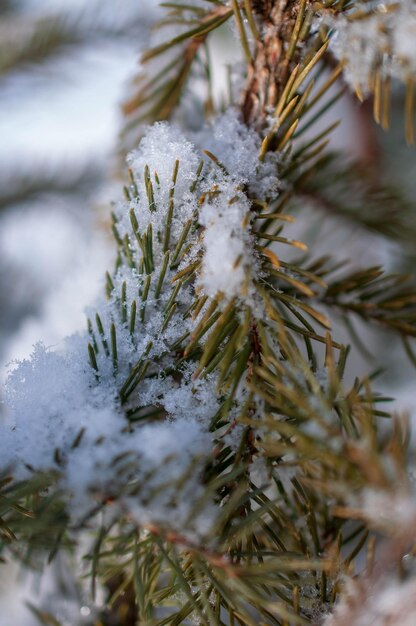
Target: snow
{"x":384,"y":38}
{"x":229,"y":260}
{"x":224,"y":208}
{"x":388,"y":511}
{"x":56,"y":392}
{"x":237,"y":148}
{"x":45,"y":301}
{"x":382,"y":596}
{"x":226,"y":242}
{"x":390,"y":602}
{"x":65,"y":415}
{"x":160,"y":148}
{"x":404,"y":37}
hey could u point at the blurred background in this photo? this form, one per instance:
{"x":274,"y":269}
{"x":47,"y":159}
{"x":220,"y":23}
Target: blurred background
{"x":65,"y":67}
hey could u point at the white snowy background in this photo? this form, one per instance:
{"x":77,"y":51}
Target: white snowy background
{"x":61,"y":119}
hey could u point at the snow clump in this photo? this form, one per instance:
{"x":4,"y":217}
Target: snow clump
{"x":123,"y":421}
{"x":384,"y":38}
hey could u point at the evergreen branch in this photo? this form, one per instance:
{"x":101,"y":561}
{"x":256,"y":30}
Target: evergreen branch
{"x":24,"y":42}
{"x":351,"y":191}
{"x":20,"y":187}
{"x":158,"y":93}
{"x":387,"y":299}
{"x":209,"y":22}
{"x":385,"y":56}
{"x":257,"y":513}
{"x":22,"y":45}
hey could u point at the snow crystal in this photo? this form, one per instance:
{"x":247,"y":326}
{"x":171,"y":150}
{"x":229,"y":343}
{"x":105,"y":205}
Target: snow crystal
{"x":229,"y":261}
{"x":161,"y":146}
{"x":237,"y":148}
{"x":53,"y":402}
{"x":90,"y":421}
{"x":359,"y":43}
{"x":390,"y":602}
{"x":404,"y":37}
{"x":226,"y":242}
{"x":384,"y":38}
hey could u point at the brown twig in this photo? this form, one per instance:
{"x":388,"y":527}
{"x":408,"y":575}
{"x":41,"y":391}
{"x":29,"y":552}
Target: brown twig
{"x":270,"y":68}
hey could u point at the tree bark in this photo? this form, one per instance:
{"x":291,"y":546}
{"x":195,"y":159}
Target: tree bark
{"x":271,"y":67}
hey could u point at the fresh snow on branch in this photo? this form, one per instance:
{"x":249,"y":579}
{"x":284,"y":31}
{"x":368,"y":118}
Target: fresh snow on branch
{"x":380,"y":37}
{"x":391,"y":603}
{"x":67,"y":415}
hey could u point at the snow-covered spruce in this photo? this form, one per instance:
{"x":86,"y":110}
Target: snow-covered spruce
{"x":129,"y":422}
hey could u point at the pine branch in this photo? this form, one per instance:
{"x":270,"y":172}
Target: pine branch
{"x":18,"y":187}
{"x":353,"y":192}
{"x":158,"y":91}
{"x":25,"y":42}
{"x":373,"y":61}
{"x":387,"y":299}
{"x":227,"y":467}
{"x":22,"y":44}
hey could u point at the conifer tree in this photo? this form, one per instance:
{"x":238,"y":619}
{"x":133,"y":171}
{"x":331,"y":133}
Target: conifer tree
{"x":198,"y":450}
